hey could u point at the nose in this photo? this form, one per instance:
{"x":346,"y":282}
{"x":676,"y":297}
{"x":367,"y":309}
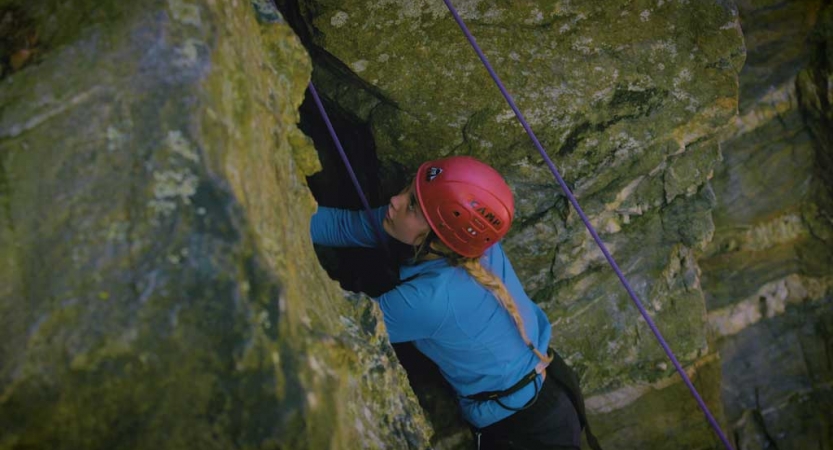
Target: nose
{"x":396,"y":202}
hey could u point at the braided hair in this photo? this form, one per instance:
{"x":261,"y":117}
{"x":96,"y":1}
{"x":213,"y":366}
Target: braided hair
{"x":431,"y":245}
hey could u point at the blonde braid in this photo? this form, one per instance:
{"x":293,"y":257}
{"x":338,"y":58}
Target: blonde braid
{"x":488,"y":280}
{"x":491,"y":282}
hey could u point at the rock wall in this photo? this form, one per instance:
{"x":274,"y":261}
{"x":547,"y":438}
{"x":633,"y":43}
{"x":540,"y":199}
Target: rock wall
{"x":629,"y":97}
{"x":769,"y":270}
{"x":158,"y":288}
{"x":157,"y":284}
{"x":641,"y":148}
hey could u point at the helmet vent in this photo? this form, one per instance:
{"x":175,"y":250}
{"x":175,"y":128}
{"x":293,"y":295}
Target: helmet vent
{"x":456,"y":213}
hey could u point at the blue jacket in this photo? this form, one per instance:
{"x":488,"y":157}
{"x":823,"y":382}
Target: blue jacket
{"x":451,"y":318}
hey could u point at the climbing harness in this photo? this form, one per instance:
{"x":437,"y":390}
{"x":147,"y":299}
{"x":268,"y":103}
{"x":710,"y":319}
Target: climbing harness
{"x":565,"y":377}
{"x":573,"y":201}
{"x":531,"y":377}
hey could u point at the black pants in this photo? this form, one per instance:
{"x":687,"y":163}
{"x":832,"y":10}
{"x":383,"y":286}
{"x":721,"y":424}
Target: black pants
{"x":551,"y":423}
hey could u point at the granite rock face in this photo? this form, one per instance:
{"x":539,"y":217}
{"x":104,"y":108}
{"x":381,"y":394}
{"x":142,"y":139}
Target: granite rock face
{"x":158,"y":288}
{"x":628,"y":97}
{"x":769,"y":270}
{"x":697,"y":137}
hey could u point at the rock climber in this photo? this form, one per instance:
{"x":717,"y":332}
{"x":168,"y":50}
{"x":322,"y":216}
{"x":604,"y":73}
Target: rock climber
{"x":461,"y":304}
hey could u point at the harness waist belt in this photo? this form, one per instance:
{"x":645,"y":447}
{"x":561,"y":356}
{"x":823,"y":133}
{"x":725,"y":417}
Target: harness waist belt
{"x":493,"y":395}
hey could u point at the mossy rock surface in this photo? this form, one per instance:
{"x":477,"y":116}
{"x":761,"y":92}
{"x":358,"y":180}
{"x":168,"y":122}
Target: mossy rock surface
{"x":158,"y":284}
{"x":628,"y":97}
{"x":158,"y":288}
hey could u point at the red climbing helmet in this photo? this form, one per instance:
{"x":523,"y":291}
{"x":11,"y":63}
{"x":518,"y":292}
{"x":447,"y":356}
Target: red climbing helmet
{"x":466,"y":202}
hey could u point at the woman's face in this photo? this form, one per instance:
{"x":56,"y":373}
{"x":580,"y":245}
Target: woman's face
{"x":404,"y":220}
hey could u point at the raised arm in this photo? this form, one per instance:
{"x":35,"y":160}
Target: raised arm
{"x":346,"y":228}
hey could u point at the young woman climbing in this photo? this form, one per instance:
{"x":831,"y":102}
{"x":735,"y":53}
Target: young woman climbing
{"x":461,"y":304}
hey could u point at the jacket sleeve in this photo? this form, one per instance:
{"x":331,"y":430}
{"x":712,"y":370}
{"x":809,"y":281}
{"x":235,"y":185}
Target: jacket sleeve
{"x":409,"y":314}
{"x":347,"y":228}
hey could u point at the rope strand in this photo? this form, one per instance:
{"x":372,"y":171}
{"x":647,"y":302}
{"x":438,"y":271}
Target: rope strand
{"x":349,"y":167}
{"x":712,"y":421}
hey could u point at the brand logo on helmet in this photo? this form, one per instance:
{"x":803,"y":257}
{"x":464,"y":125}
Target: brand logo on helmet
{"x":485,"y":213}
{"x":433,"y":172}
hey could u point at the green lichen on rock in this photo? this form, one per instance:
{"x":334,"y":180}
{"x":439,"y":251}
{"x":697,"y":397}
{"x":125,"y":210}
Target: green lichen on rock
{"x":592,"y":79}
{"x":159,"y":289}
{"x":613,"y":102}
{"x":157,"y":284}
{"x":628,"y":97}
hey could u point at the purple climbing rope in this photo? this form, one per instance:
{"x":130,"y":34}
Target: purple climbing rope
{"x":574,"y":202}
{"x":347,"y":165}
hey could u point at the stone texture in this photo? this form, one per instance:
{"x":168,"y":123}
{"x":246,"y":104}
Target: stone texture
{"x":639,"y":424}
{"x":769,"y":270}
{"x":640,"y":142}
{"x":782,"y":396}
{"x":775,"y":33}
{"x":621,"y":106}
{"x":158,"y":288}
{"x":628,"y":98}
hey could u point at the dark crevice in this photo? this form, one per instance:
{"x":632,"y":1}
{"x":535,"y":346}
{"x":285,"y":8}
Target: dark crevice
{"x":759,"y":419}
{"x":324,"y":60}
{"x":629,"y":104}
{"x":300,"y":20}
{"x":762,"y":306}
{"x":332,"y":186}
{"x":636,"y":335}
{"x":371,"y":271}
{"x":576,"y":136}
{"x":561,"y":206}
{"x":699,"y":141}
{"x":19,"y":42}
{"x":5,"y":196}
{"x":827,"y":339}
{"x":367,"y":270}
{"x":814,"y":116}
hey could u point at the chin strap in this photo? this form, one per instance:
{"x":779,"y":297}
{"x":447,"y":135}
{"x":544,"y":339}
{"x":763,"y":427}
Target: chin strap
{"x":426,"y":245}
{"x":434,"y":252}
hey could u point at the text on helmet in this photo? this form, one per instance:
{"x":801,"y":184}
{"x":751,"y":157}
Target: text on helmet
{"x":487,"y":214}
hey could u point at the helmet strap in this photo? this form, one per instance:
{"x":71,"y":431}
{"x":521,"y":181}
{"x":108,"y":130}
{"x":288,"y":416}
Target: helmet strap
{"x":435,"y":252}
{"x":425,"y":247}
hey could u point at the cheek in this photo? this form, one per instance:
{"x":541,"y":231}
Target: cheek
{"x":409,"y":228}
{"x":420,"y":228}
